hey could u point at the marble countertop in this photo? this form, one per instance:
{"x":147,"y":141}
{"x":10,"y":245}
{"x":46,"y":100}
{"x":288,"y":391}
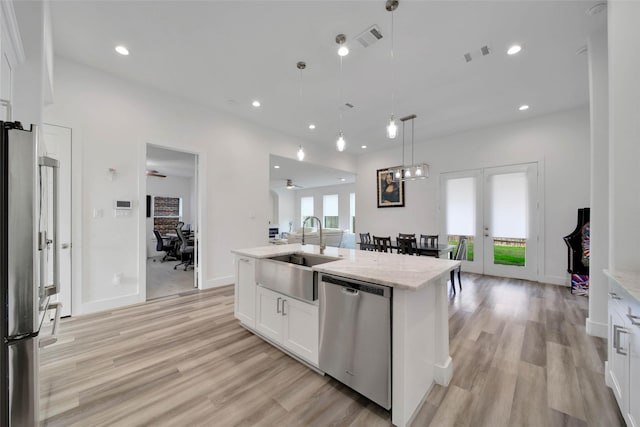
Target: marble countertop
{"x":629,"y":280}
{"x":398,"y":271}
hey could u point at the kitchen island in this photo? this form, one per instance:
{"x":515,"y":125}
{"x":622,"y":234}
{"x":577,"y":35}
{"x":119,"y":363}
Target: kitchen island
{"x":419,"y":330}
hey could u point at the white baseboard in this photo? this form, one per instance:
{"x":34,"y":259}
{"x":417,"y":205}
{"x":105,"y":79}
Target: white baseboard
{"x":442,"y":374}
{"x":607,"y":375}
{"x":555,"y":280}
{"x":218,"y":282}
{"x":597,"y":329}
{"x":108,"y":304}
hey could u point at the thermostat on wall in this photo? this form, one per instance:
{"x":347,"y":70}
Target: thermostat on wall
{"x":123,"y":204}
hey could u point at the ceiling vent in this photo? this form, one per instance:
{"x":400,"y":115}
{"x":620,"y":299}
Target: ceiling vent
{"x":346,"y":107}
{"x":483,"y":51}
{"x":369,"y":36}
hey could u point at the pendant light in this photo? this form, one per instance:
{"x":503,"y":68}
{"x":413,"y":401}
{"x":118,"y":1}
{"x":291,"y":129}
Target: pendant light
{"x":412,"y":171}
{"x":392,"y":127}
{"x":300,"y":65}
{"x":340,"y":142}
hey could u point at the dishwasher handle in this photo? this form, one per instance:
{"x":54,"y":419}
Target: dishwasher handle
{"x":358,"y":285}
{"x":351,"y":291}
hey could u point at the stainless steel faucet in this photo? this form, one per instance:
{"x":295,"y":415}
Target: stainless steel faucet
{"x":322,"y":245}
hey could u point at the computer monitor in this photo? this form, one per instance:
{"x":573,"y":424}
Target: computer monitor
{"x":273,"y":232}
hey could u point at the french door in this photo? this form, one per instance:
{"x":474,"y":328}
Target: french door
{"x":496,"y":208}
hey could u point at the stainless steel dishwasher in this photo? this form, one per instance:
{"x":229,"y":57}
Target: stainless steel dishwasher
{"x":355,"y":335}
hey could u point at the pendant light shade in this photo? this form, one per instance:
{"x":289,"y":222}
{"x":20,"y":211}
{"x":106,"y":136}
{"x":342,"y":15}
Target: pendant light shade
{"x":340,"y":142}
{"x":392,"y":128}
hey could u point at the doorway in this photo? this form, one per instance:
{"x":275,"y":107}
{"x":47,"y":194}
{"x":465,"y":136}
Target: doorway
{"x":497,"y":209}
{"x":57,"y":144}
{"x":172,"y":223}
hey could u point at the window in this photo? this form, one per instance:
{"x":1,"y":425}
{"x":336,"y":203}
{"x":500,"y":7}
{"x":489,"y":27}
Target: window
{"x":167,"y":211}
{"x":352,"y":211}
{"x":306,"y":208}
{"x":330,"y":210}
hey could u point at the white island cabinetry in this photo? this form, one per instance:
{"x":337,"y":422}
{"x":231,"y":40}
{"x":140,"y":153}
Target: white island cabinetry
{"x":419,"y":309}
{"x":623,"y":365}
{"x":288,"y":322}
{"x":245,"y":291}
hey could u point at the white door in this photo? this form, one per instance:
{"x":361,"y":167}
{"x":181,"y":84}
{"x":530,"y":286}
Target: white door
{"x":196,"y":222}
{"x":300,"y":334}
{"x":510,"y":244}
{"x":269,"y":313}
{"x":496,"y":209}
{"x":57,"y":142}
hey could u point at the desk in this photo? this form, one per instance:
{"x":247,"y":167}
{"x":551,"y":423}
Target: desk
{"x":426,"y":250}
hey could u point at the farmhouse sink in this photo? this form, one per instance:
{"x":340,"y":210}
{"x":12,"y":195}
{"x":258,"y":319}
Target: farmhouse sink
{"x":291,"y":274}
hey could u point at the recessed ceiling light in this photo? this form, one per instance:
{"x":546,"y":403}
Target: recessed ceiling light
{"x":514,"y":49}
{"x":363,"y":146}
{"x":122,"y":50}
{"x":312,"y":126}
{"x":343,"y":179}
{"x":256,"y":103}
{"x":276,"y":167}
{"x":523,"y":107}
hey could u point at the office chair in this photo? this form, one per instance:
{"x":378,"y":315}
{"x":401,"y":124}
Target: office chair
{"x":186,"y":250}
{"x":169,"y":249}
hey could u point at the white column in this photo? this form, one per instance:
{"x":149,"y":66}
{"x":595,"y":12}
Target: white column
{"x":624,"y":135}
{"x":599,"y":111}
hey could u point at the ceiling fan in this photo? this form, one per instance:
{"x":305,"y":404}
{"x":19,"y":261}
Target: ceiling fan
{"x":291,"y":186}
{"x":155,"y":173}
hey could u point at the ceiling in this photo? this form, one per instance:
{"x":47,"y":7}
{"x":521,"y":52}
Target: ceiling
{"x":225,"y":54}
{"x":171,"y":162}
{"x":304,"y":174}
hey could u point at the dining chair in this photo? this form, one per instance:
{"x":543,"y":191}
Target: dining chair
{"x":460,"y":255}
{"x":429,"y":240}
{"x":406,"y":235}
{"x":407,"y":245}
{"x":365,"y":242}
{"x":382,"y":244}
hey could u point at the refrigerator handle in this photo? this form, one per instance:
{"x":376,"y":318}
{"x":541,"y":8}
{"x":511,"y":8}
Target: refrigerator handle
{"x":54,"y":164}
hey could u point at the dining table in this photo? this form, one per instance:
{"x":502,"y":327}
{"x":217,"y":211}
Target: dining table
{"x":422,"y":249}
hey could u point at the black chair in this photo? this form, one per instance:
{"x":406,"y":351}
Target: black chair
{"x":169,"y":250}
{"x":429,"y":240}
{"x":460,"y":255}
{"x":365,"y":242}
{"x":407,"y":245}
{"x":382,"y":244}
{"x":406,"y":235}
{"x":186,"y":250}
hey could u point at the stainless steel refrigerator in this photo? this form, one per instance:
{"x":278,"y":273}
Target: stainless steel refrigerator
{"x":28,"y":267}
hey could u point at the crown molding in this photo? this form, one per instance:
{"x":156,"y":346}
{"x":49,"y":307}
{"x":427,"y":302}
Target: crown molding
{"x":11,"y":29}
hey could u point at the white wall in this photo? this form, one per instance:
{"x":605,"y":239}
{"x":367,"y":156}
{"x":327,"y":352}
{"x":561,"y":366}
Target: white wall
{"x":171,"y":186}
{"x":624,"y":135}
{"x":112,"y":121}
{"x":286,"y":209}
{"x":560,"y":142}
{"x":342,"y":190}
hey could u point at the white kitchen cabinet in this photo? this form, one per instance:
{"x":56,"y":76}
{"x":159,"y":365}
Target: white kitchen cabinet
{"x":623,"y":374}
{"x":245,"y":291}
{"x":288,"y":322}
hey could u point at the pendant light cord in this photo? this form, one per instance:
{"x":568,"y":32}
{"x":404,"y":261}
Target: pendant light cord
{"x":412,"y":142}
{"x":341,"y":102}
{"x":393,"y":97}
{"x":403,"y":148}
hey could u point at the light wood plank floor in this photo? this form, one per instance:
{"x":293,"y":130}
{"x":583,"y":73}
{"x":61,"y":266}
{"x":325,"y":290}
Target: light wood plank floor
{"x":521,"y":358}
